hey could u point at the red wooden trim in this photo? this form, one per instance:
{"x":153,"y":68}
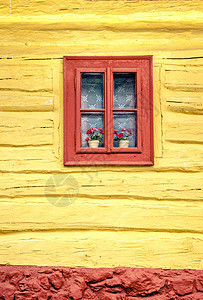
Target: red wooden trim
{"x":151,"y":109}
{"x":146,"y":57}
{"x":139,"y":111}
{"x":91,"y":150}
{"x":91,"y":110}
{"x":80,"y":149}
{"x":64,"y":109}
{"x":125,"y":70}
{"x":126,"y":150}
{"x":107,"y":119}
{"x":110,"y":109}
{"x":124,"y":109}
{"x":109,"y":163}
{"x":91,"y":70}
{"x":78,"y":106}
{"x":129,"y":156}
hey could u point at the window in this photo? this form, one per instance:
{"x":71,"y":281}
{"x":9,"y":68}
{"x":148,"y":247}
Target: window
{"x":109,"y":101}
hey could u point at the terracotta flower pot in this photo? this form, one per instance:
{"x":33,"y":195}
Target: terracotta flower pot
{"x":93,"y":144}
{"x":123,"y":143}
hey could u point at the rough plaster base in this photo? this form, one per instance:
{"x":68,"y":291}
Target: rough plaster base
{"x":61,"y":283}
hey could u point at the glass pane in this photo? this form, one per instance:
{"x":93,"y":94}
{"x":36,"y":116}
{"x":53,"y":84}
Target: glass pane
{"x":124,"y":91}
{"x":95,"y":120}
{"x":92,"y":91}
{"x":127,"y":121}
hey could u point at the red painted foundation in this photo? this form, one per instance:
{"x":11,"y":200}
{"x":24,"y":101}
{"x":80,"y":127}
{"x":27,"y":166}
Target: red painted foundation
{"x":61,"y":283}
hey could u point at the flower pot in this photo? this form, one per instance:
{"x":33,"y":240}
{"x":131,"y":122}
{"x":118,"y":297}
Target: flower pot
{"x":93,"y":144}
{"x":123,"y":143}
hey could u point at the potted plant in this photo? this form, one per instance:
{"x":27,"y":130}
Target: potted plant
{"x":95,"y":137}
{"x":123,"y":137}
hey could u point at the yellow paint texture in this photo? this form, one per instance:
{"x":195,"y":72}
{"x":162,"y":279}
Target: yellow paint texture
{"x":99,"y":216}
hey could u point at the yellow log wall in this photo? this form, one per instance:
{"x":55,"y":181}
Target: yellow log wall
{"x":117,"y":215}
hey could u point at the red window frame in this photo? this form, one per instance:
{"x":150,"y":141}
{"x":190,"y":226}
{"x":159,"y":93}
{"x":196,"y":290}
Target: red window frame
{"x":74,"y":154}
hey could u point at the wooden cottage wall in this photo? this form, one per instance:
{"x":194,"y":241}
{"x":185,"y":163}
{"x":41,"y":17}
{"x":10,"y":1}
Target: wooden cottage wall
{"x":117,"y":215}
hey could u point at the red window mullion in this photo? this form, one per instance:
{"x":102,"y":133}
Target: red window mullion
{"x":109,"y":112}
{"x":105,"y":112}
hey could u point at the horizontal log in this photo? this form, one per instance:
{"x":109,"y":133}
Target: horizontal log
{"x":31,"y":159}
{"x":182,"y":129}
{"x":188,"y":152}
{"x":53,"y":52}
{"x":91,"y":20}
{"x":102,"y":249}
{"x":104,"y":185}
{"x":185,"y":78}
{"x":193,"y":61}
{"x":49,"y":214}
{"x":187,"y":157}
{"x":26,"y":103}
{"x":184,"y":132}
{"x":89,"y":42}
{"x":33,"y":8}
{"x":20,"y":78}
{"x":184,"y":103}
{"x":17,"y":130}
{"x":184,"y":165}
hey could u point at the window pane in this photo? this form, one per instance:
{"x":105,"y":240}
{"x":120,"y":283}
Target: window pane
{"x":127,"y":121}
{"x":95,"y":120}
{"x":92,"y":91}
{"x":124,"y":91}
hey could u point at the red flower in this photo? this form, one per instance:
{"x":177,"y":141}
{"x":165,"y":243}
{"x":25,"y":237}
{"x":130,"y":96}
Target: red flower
{"x":89,"y":131}
{"x":100,"y":130}
{"x":123,"y":130}
{"x":120,"y":135}
{"x":87,"y":139}
{"x":130,"y":133}
{"x":115,"y":132}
